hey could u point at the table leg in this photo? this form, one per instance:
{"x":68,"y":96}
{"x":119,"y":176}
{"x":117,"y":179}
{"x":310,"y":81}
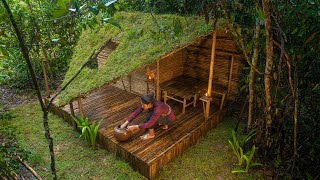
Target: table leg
{"x":165,"y":97}
{"x":184,"y":105}
{"x":195,"y":100}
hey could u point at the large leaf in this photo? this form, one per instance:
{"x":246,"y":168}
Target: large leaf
{"x":311,"y":37}
{"x":110,"y":2}
{"x":4,"y":52}
{"x":94,"y":10}
{"x":115,"y":24}
{"x":238,"y":171}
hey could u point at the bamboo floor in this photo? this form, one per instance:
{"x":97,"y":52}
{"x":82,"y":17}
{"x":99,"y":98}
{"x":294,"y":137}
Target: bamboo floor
{"x":114,"y":106}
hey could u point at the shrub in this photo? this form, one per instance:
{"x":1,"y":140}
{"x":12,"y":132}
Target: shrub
{"x":88,"y":131}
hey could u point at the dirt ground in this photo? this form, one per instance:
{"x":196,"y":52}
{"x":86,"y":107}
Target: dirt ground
{"x":11,"y":98}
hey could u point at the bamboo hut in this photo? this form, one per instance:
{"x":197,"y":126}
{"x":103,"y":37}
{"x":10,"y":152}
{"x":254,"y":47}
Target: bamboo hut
{"x":197,"y":75}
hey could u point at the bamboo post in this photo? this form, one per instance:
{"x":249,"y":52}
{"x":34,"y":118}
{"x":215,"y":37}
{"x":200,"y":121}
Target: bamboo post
{"x":158,"y":80}
{"x":214,"y":38}
{"x":80,"y":107}
{"x":147,"y":81}
{"x":230,"y":76}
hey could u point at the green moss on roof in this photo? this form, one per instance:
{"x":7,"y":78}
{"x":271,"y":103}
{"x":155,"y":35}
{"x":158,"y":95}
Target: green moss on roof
{"x":138,"y":46}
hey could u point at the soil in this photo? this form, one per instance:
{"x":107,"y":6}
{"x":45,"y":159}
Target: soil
{"x":11,"y":98}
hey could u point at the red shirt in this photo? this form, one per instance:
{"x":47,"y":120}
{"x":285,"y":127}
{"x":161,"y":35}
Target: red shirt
{"x":159,"y":108}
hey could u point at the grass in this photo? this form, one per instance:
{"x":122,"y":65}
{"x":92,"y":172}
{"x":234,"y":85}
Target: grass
{"x":140,"y":43}
{"x":210,"y":158}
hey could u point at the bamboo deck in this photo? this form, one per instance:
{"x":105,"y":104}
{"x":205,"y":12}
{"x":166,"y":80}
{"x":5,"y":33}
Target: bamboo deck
{"x":114,"y":105}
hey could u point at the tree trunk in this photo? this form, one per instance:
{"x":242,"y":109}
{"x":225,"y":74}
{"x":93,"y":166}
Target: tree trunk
{"x":252,"y":74}
{"x":268,"y":68}
{"x":35,"y":83}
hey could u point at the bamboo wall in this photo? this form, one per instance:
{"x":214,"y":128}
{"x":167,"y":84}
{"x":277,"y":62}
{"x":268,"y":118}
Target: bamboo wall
{"x":197,"y":62}
{"x":135,"y":82}
{"x":193,"y":61}
{"x":172,"y":66}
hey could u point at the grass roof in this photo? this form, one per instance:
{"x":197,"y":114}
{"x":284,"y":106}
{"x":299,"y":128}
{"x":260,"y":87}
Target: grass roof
{"x":140,"y":43}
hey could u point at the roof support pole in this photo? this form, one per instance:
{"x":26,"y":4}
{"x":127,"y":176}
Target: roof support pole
{"x":158,"y":81}
{"x":214,"y":40}
{"x":230,"y":76}
{"x":80,"y":107}
{"x":72,"y":113}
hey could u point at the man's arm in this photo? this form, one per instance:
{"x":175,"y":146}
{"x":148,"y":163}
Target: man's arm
{"x":132,"y":117}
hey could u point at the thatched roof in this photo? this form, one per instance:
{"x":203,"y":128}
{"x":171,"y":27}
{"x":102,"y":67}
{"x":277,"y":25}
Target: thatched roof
{"x":140,"y":43}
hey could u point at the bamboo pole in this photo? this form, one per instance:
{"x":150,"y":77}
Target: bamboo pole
{"x":214,"y":39}
{"x":30,"y":168}
{"x":147,"y":81}
{"x":80,"y":107}
{"x":158,"y":80}
{"x":230,"y":76}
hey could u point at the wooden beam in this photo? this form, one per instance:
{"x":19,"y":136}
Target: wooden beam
{"x":80,"y":105}
{"x":214,"y":38}
{"x":158,"y":80}
{"x":230,"y":75}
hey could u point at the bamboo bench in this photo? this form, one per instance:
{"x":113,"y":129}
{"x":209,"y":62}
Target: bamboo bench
{"x":182,"y":89}
{"x":220,"y":90}
{"x":186,"y":90}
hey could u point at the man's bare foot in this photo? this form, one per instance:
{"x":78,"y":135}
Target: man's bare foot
{"x":146,"y":137}
{"x":165,"y":127}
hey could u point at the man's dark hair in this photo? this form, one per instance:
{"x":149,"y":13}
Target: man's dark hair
{"x":147,"y":98}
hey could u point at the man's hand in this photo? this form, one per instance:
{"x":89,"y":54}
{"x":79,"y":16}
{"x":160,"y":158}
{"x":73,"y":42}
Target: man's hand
{"x":124,"y":125}
{"x":133,"y":127}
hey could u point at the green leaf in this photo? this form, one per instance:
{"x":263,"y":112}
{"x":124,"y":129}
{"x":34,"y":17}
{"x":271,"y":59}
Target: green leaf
{"x":59,"y":12}
{"x":238,"y":30}
{"x":110,"y":2}
{"x":255,"y":164}
{"x":94,"y":10}
{"x":312,"y":1}
{"x":117,"y":6}
{"x":294,"y":31}
{"x":311,"y":37}
{"x":238,"y":171}
{"x":55,"y":40}
{"x":260,"y":14}
{"x":4,"y":52}
{"x":115,"y":24}
{"x":76,"y":5}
